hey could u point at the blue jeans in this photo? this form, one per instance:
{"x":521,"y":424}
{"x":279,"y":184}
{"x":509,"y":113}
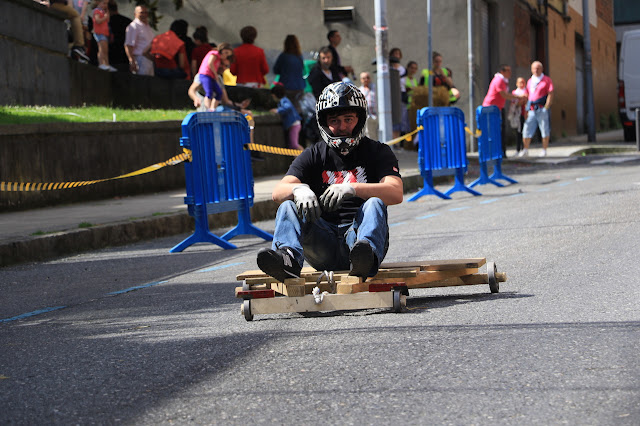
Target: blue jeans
{"x":326,"y":246}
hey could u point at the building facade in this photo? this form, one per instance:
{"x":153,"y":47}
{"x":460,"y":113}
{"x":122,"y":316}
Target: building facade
{"x":507,"y":31}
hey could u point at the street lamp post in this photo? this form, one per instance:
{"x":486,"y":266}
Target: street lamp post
{"x":382,"y":68}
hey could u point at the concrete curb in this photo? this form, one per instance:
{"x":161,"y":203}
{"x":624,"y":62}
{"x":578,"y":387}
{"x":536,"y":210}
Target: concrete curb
{"x":45,"y":247}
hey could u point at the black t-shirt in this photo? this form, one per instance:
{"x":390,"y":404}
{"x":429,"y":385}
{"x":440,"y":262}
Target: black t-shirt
{"x":320,"y":166}
{"x":118,"y":25}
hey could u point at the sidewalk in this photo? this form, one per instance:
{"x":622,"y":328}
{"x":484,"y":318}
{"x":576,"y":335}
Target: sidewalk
{"x":45,"y":233}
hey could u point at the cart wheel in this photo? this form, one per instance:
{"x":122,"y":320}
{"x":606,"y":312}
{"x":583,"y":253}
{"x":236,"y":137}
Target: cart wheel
{"x":397,"y":305}
{"x":246,"y":310}
{"x":245,"y":286}
{"x":492,"y":270}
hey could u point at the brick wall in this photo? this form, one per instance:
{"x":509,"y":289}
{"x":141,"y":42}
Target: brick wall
{"x":604,"y":10}
{"x":562,"y":58}
{"x":522,"y":27}
{"x":562,"y":63}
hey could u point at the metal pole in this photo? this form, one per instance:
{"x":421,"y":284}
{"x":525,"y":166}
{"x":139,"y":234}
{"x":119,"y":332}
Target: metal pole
{"x":382,"y":67}
{"x":591,"y":116}
{"x":429,"y":53}
{"x":471,"y":117}
{"x":638,"y":128}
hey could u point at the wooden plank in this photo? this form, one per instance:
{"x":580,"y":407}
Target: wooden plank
{"x":437,"y":265}
{"x":425,"y":265}
{"x":351,"y":285}
{"x":396,"y":273}
{"x":474,"y":279}
{"x":292,"y":287}
{"x":331,"y":302}
{"x":402,"y":268}
{"x":429,"y":276}
{"x":257,"y":273}
{"x":278,"y":287}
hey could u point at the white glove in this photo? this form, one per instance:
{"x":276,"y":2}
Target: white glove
{"x":335,"y":194}
{"x":307,"y":202}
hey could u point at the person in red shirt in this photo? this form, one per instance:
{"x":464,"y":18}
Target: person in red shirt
{"x":101,"y":34}
{"x":170,"y":55}
{"x":498,"y":92}
{"x":250,"y":65}
{"x":540,"y":94}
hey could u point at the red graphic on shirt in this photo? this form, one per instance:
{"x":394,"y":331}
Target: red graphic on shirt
{"x":344,"y":176}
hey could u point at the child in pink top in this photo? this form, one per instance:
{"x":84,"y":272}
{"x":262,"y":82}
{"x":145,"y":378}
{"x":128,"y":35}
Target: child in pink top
{"x":208,"y":72}
{"x":520,"y":91}
{"x":101,"y":34}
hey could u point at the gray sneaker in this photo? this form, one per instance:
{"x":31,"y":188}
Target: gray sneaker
{"x":78,"y":53}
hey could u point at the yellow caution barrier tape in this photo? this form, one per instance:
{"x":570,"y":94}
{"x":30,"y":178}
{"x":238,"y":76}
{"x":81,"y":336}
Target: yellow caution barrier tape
{"x":19,"y":186}
{"x":477,"y":134}
{"x":272,"y":149}
{"x":294,"y":152}
{"x":405,"y":137}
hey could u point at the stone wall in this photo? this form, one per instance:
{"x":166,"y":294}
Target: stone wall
{"x":69,"y":152}
{"x":34,"y":67}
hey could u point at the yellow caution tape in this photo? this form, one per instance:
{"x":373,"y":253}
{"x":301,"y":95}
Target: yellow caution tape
{"x":478,"y":132}
{"x":294,"y":152}
{"x":272,"y":149}
{"x":19,"y":186}
{"x":404,"y":137}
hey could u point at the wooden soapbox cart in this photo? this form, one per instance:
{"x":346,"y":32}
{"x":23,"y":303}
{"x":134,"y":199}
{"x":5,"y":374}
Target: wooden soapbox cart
{"x":338,"y":291}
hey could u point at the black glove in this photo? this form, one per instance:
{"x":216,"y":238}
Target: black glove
{"x":307,"y":202}
{"x":335,"y":194}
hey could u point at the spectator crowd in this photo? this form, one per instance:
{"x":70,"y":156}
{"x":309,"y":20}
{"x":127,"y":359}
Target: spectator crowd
{"x":101,"y":36}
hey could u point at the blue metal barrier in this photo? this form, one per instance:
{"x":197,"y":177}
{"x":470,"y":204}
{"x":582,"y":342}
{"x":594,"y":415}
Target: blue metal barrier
{"x":442,"y":149}
{"x":489,"y":122}
{"x":219,"y":177}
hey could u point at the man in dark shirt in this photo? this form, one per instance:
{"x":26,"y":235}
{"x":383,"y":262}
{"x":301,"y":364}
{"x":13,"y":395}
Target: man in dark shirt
{"x":118,"y":25}
{"x":321,"y":75}
{"x":335,"y":39}
{"x":334,"y":198}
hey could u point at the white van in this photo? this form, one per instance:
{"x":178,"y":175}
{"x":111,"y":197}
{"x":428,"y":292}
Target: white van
{"x":629,"y":82}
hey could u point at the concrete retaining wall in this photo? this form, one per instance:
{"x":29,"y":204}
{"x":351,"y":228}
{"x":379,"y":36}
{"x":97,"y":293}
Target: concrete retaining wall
{"x":64,"y":152}
{"x":34,"y":68}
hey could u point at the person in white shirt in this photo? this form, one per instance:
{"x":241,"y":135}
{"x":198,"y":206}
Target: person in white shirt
{"x":138,"y":43}
{"x":371,"y":129}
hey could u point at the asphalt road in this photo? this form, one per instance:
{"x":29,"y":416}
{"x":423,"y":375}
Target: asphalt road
{"x":136,"y":335}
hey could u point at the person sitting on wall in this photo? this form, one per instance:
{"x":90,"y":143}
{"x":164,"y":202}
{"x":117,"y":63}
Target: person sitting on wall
{"x":77,"y":51}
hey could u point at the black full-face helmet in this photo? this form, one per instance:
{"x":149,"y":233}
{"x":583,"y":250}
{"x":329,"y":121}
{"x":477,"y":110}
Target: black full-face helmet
{"x":336,"y":97}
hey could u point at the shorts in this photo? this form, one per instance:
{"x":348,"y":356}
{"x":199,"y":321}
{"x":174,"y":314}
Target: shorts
{"x":100,"y":37}
{"x":211,"y":87}
{"x":536,"y":118}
